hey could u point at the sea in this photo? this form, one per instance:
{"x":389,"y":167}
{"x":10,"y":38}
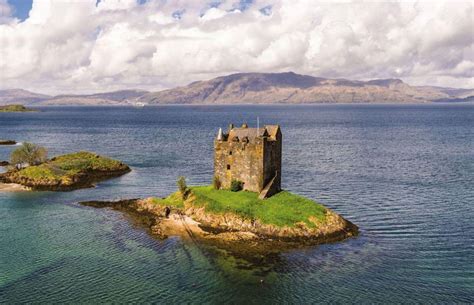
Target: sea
{"x":403,"y":173}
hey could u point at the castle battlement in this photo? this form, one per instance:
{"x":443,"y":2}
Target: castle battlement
{"x":250,"y":155}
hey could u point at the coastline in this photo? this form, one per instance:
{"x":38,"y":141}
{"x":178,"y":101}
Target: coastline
{"x":13,"y":187}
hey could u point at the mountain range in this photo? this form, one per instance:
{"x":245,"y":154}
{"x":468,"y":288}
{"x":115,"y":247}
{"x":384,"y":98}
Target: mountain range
{"x":258,"y":88}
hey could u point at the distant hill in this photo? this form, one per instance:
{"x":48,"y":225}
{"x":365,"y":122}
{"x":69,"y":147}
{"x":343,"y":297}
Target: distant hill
{"x":108,"y":98}
{"x":266,"y":88}
{"x":258,"y":88}
{"x":20,"y":96}
{"x":457,"y":93}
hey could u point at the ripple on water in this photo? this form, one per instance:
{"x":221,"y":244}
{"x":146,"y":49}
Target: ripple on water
{"x":402,"y":173}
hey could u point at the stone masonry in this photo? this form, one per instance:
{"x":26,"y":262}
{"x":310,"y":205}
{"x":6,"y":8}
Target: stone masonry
{"x":250,"y":155}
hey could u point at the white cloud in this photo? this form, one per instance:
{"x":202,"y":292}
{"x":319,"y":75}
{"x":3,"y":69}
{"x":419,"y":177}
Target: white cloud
{"x":78,"y":46}
{"x":6,"y":12}
{"x":213,"y":13}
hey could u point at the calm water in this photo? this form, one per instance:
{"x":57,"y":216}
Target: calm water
{"x":404,"y":174}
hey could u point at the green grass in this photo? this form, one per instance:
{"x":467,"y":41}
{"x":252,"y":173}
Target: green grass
{"x":85,"y":161}
{"x":173,"y":200}
{"x":282,"y":209}
{"x":64,"y":168}
{"x":39,"y":172}
{"x":14,"y":108}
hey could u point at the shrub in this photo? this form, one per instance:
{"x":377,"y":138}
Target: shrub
{"x":216,"y":183}
{"x":182,"y":187}
{"x":236,"y":185}
{"x":30,"y":154}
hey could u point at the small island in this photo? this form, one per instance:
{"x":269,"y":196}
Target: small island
{"x":245,"y":207}
{"x":237,"y":221}
{"x":62,"y":173}
{"x":7,"y":142}
{"x":16,"y":108}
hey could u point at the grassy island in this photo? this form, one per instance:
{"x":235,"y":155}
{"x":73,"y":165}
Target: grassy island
{"x":282,"y":209}
{"x":15,"y":108}
{"x":236,"y":221}
{"x":67,"y":172}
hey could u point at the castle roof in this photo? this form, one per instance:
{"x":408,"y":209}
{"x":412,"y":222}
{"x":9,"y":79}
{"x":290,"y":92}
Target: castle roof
{"x":272,"y":130}
{"x":251,"y":133}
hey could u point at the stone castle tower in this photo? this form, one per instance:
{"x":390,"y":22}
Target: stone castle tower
{"x":250,"y":155}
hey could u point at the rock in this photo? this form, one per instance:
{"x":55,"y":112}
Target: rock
{"x":4,"y":163}
{"x":158,"y":232}
{"x":7,"y":142}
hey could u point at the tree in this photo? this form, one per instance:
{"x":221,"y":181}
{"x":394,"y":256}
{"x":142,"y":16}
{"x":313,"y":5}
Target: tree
{"x":30,"y":154}
{"x":236,"y":185}
{"x":216,"y":183}
{"x":183,"y":188}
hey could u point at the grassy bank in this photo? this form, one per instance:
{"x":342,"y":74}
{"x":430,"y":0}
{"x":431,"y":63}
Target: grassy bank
{"x":173,"y":200}
{"x":282,"y":209}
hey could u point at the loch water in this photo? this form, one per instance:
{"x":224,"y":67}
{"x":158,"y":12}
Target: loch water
{"x":403,"y":173}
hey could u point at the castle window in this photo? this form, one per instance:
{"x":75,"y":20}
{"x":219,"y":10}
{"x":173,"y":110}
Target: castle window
{"x":228,"y":166}
{"x":230,"y":153}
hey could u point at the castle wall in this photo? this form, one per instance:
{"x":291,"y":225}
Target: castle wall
{"x":246,"y":163}
{"x":272,"y":162}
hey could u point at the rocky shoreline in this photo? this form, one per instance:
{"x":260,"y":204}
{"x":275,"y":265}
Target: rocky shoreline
{"x":227,"y":231}
{"x":12,"y":187}
{"x":79,"y":181}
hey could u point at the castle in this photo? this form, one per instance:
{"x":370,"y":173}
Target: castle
{"x":249,"y":155}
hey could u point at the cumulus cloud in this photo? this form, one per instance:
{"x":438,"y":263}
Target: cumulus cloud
{"x":72,"y":46}
{"x":5,"y":12}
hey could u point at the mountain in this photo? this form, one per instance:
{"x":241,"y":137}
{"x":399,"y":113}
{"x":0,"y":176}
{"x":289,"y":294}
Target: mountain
{"x":289,"y":87}
{"x":20,"y":96}
{"x":459,"y":94}
{"x":108,"y":98}
{"x":258,"y":88}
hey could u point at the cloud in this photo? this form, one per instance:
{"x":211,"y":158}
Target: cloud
{"x":72,"y":46}
{"x":6,"y":12}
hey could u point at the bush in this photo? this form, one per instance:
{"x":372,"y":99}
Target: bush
{"x":236,"y":185}
{"x":216,"y":183}
{"x":182,"y":187}
{"x":30,"y":154}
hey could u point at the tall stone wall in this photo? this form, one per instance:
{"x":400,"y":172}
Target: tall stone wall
{"x":240,"y":161}
{"x":253,"y":159}
{"x":272,"y":162}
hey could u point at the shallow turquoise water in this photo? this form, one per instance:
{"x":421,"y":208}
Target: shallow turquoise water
{"x":404,"y":174}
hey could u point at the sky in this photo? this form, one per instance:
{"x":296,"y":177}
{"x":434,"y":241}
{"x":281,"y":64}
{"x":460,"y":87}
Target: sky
{"x":87,"y":46}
